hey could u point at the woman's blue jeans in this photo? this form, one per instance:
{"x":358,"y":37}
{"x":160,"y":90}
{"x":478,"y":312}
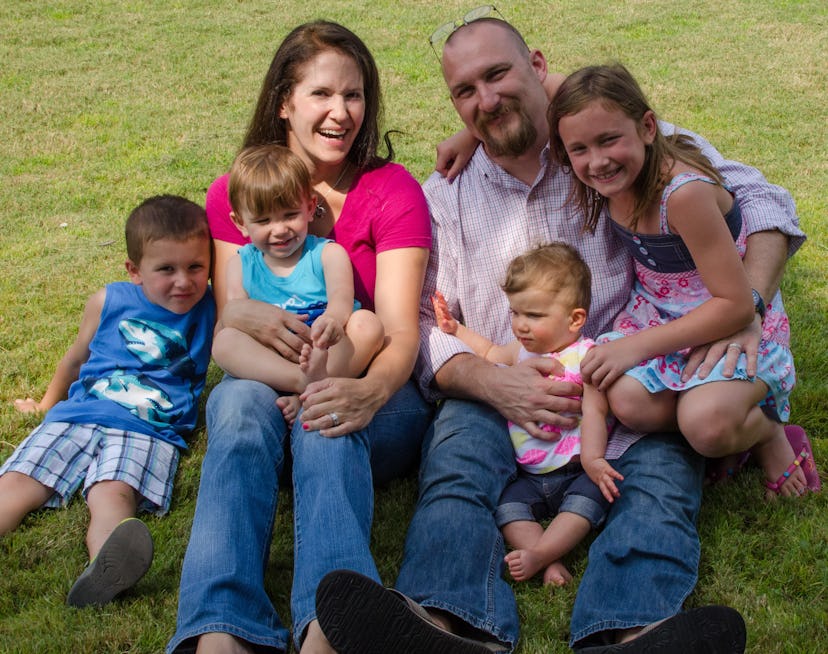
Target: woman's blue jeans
{"x":222,"y":580}
{"x":644,"y":563}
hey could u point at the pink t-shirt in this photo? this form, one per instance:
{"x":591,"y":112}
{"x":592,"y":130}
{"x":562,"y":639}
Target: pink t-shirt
{"x":385,"y":209}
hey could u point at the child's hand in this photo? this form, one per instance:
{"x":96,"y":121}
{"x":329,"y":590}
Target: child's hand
{"x":603,"y":474}
{"x":28,"y":405}
{"x":445,"y":321}
{"x":605,"y":363}
{"x":289,"y":406}
{"x":454,"y":153}
{"x":326,"y":331}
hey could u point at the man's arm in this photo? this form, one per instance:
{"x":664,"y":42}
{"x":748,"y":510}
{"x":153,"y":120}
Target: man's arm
{"x":523,"y":394}
{"x":764,"y":206}
{"x":765,"y":258}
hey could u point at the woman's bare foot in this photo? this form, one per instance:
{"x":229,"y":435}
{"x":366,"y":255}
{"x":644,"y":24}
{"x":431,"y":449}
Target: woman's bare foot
{"x":289,"y":405}
{"x":221,"y":643}
{"x":775,"y":455}
{"x":556,"y":574}
{"x":313,"y":361}
{"x":315,"y":641}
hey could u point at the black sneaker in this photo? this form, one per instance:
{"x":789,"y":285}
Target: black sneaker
{"x":123,"y":559}
{"x":704,"y":630}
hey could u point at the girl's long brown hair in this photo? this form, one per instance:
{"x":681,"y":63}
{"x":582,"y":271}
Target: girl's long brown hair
{"x":616,"y":89}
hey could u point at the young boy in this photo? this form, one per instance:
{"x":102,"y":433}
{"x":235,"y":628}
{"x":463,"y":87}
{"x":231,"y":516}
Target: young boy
{"x":549,"y":297}
{"x":273,"y":203}
{"x":133,"y":378}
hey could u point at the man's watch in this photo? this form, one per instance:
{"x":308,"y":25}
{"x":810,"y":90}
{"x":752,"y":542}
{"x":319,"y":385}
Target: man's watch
{"x":758,"y":304}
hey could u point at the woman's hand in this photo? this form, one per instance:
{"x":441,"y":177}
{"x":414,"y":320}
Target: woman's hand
{"x":702,"y":359}
{"x":280,"y":330}
{"x":353,"y":402}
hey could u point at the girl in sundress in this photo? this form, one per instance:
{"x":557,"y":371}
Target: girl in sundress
{"x":684,"y":229}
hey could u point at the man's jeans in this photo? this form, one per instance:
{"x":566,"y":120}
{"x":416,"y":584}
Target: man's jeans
{"x":641,"y":567}
{"x":644,"y":563}
{"x":222,"y":580}
{"x":454,"y":551}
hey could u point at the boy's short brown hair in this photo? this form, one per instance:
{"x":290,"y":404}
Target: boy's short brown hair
{"x":268,"y":177}
{"x":555,"y":267}
{"x":160,"y":217}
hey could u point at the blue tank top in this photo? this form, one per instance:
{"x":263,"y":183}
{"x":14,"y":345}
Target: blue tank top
{"x":302,"y":291}
{"x":146,"y":368}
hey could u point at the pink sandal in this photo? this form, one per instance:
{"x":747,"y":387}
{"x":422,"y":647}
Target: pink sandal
{"x":805,"y":459}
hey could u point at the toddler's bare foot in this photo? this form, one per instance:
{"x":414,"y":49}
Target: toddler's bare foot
{"x":289,"y":405}
{"x":775,"y":455}
{"x":556,"y":574}
{"x":313,"y":361}
{"x":524,"y":564}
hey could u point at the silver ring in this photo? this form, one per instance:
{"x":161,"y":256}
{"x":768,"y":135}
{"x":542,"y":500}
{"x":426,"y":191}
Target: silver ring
{"x":738,"y":346}
{"x":334,"y":419}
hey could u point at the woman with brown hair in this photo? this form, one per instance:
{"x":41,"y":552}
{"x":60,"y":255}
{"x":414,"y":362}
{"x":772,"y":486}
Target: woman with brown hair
{"x":320,"y":98}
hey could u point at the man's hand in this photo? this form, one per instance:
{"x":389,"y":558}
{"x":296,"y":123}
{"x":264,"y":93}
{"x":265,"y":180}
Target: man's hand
{"x":526,"y":396}
{"x":702,"y":359}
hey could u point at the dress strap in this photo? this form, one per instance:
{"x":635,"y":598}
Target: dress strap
{"x":676,"y":183}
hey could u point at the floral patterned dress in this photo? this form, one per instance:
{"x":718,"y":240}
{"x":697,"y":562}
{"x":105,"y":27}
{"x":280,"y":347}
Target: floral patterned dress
{"x":668,"y":286}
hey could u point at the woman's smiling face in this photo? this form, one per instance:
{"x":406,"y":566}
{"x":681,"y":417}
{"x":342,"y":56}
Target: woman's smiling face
{"x":325,"y":110}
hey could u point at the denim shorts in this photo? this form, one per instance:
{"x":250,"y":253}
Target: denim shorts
{"x":539,"y":497}
{"x":62,"y":456}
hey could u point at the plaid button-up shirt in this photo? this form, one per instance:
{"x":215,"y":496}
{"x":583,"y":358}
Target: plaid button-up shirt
{"x":486,"y":217}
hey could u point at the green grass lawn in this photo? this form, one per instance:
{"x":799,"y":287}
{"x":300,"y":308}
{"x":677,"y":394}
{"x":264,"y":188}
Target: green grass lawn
{"x":105,"y":103}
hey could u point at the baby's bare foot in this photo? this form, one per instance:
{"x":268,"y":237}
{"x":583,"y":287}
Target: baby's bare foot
{"x":313,"y":361}
{"x":523,"y":564}
{"x":556,"y":574}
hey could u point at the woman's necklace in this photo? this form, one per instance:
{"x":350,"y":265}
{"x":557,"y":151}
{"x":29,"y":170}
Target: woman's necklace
{"x":320,"y":206}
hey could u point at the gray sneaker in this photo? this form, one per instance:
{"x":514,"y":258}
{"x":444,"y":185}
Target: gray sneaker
{"x":123,"y":559}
